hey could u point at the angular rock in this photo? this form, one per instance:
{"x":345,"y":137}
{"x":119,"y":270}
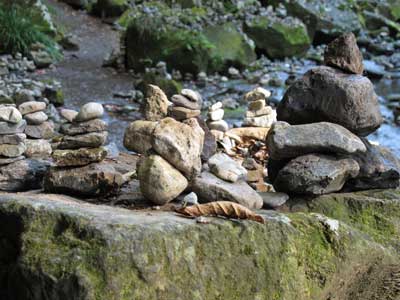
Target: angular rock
{"x":94,"y":180}
{"x":182,"y":101}
{"x":209,"y":188}
{"x":31,"y":107}
{"x":94,"y":125}
{"x":180,"y":144}
{"x":328,"y":94}
{"x":343,"y":53}
{"x":8,"y":150}
{"x":89,"y":111}
{"x":226,"y":168}
{"x":12,"y":139}
{"x":79,"y":157}
{"x":182,"y":113}
{"x":38,"y":148}
{"x":265,"y":121}
{"x":285,"y":141}
{"x":315,"y":174}
{"x":138,"y":136}
{"x":36,"y":118}
{"x":68,"y":114}
{"x":159,"y":181}
{"x":42,"y":131}
{"x":379,"y":169}
{"x":87,"y":140}
{"x":23,"y":175}
{"x":155,"y":105}
{"x":10,"y":114}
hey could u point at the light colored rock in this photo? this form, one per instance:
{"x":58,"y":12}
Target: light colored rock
{"x":138,"y":136}
{"x":12,"y":139}
{"x":267,"y":110}
{"x":182,"y":101}
{"x":94,"y":125}
{"x":182,"y":113}
{"x":216,"y":115}
{"x":38,"y":148}
{"x":220,"y":125}
{"x":215,"y":106}
{"x":36,"y":118}
{"x":31,"y":107}
{"x":257,"y":104}
{"x":12,"y":150}
{"x":155,"y":105}
{"x":258,"y":93}
{"x":180,"y":144}
{"x":263,"y":121}
{"x":218,"y":135}
{"x":210,"y":188}
{"x":78,"y":157}
{"x":285,"y":141}
{"x":9,"y":160}
{"x":192,"y":95}
{"x":89,"y":111}
{"x":191,"y":199}
{"x":42,"y":131}
{"x":159,"y":181}
{"x":258,"y":133}
{"x":68,"y":114}
{"x":226,"y":168}
{"x":87,"y":140}
{"x":10,"y":114}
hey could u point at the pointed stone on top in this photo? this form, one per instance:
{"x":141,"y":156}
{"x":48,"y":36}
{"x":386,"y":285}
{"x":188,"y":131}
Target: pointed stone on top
{"x":343,"y":53}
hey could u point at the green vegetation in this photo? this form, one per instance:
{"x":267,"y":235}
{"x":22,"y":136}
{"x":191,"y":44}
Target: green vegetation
{"x":20,"y":28}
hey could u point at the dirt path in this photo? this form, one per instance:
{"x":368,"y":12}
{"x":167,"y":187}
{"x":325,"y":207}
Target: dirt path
{"x":81,"y":73}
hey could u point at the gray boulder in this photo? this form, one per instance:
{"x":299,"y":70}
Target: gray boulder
{"x":328,"y":94}
{"x":226,"y":168}
{"x":285,"y":141}
{"x":210,"y":188}
{"x":315,"y":174}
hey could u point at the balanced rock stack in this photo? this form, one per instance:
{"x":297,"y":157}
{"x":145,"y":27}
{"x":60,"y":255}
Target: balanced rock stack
{"x":185,"y":105}
{"x":215,"y":117}
{"x":16,"y":172}
{"x":258,"y":113}
{"x":77,"y":155}
{"x":38,"y":129}
{"x":331,"y":109}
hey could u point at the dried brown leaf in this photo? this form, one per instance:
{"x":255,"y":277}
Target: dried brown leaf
{"x":221,"y":208}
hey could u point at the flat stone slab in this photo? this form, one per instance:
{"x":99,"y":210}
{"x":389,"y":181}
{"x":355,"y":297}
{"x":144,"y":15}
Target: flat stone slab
{"x":63,"y":248}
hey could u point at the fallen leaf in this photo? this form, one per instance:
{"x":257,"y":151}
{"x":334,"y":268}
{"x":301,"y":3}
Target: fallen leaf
{"x":221,"y":208}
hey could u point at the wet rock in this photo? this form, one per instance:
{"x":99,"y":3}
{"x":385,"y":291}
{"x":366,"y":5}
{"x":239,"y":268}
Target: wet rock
{"x":31,"y":107}
{"x":12,"y":139}
{"x":379,"y":169}
{"x":12,"y":150}
{"x":180,"y":144}
{"x":68,"y":114}
{"x":138,"y":136}
{"x":274,"y":200}
{"x":10,"y":114}
{"x":343,"y":53}
{"x":38,"y":148}
{"x":159,"y":181}
{"x":42,"y":131}
{"x":288,"y":141}
{"x":209,"y":188}
{"x":315,"y":174}
{"x":89,"y":111}
{"x":226,"y":168}
{"x":94,"y":180}
{"x":327,"y":94}
{"x":155,"y":105}
{"x":36,"y":118}
{"x":79,"y":157}
{"x":23,"y":175}
{"x":94,"y":125}
{"x":87,"y":140}
{"x":182,"y":113}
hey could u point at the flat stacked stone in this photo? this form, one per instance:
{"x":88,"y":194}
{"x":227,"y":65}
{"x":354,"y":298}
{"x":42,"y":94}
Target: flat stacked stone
{"x":185,"y":105}
{"x":38,"y":129}
{"x":215,"y":118}
{"x":259,"y":114}
{"x":12,"y":138}
{"x":315,"y":157}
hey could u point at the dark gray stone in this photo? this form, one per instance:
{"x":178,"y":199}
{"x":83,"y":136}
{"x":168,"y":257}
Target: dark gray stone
{"x":11,"y":128}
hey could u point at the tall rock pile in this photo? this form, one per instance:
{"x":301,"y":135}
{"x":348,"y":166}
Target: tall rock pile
{"x":79,"y":155}
{"x":331,"y":109}
{"x":185,"y":105}
{"x":258,"y":113}
{"x":215,"y":118}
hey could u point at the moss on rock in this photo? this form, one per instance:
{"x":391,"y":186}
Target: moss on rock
{"x":109,"y":8}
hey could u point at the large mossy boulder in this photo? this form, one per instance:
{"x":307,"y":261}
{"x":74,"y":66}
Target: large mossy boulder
{"x":277,"y":37}
{"x":340,"y":246}
{"x":325,"y":19}
{"x":109,"y":8}
{"x":149,"y":40}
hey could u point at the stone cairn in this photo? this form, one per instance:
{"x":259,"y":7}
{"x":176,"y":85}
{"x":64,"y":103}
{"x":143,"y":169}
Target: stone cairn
{"x":185,"y":105}
{"x":172,"y":149}
{"x":331,"y":110}
{"x":84,"y":135}
{"x":258,"y":113}
{"x":215,"y":117}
